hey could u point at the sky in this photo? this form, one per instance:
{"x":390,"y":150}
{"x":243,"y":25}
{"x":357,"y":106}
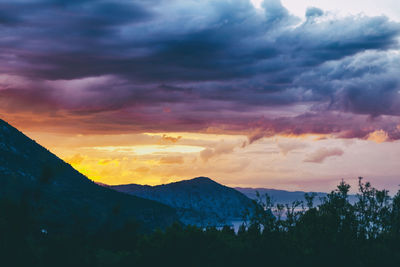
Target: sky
{"x":282,"y":94}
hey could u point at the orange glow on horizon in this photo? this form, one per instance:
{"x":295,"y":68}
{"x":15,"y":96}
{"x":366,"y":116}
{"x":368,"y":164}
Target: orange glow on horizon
{"x":274,"y":162}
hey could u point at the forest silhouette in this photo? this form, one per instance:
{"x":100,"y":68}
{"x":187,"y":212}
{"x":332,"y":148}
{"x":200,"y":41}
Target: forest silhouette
{"x":333,"y":233}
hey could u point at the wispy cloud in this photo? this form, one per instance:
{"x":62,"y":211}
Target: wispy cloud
{"x":172,"y":160}
{"x":288,"y":146}
{"x":322,"y":154}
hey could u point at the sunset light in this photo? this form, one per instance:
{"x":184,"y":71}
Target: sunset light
{"x":199,"y":133}
{"x":292,"y":94}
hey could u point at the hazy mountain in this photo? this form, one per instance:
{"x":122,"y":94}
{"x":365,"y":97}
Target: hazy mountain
{"x":282,"y":196}
{"x":199,"y":201}
{"x":62,"y":197}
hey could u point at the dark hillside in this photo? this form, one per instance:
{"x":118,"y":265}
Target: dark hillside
{"x":60,"y":196}
{"x":200,"y":201}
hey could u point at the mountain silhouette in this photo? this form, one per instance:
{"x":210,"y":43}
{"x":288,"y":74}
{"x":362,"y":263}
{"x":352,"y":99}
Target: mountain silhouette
{"x":285,"y":197}
{"x":61,"y":197}
{"x":199,"y":201}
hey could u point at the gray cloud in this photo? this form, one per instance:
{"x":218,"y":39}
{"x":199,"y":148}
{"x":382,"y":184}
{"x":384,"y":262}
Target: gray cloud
{"x":313,"y":12}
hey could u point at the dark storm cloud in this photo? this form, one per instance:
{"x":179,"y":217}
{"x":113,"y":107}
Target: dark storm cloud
{"x":209,"y":63}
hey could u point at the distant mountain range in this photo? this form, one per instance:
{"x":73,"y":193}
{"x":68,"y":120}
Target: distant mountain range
{"x":283,"y":196}
{"x":61,"y":197}
{"x":200,"y":201}
{"x":278,"y":196}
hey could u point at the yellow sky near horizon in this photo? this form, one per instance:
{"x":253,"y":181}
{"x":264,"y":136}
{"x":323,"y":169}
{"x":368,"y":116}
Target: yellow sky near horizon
{"x":308,"y":162}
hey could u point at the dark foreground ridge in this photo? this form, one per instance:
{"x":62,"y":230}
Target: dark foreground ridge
{"x":61,"y":197}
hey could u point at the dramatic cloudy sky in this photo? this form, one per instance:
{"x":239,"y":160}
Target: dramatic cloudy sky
{"x":293,"y":94}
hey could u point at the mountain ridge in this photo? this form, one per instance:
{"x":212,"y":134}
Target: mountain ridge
{"x":200,"y":201}
{"x":63,"y":197}
{"x":281,"y":196}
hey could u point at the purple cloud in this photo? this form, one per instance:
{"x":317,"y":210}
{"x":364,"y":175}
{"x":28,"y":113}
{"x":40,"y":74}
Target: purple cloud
{"x":139,"y":66}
